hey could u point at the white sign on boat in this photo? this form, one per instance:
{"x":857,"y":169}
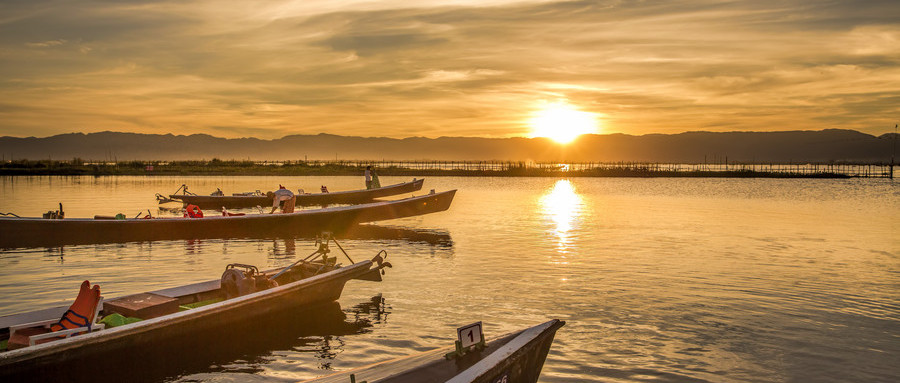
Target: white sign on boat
{"x":470,"y":335}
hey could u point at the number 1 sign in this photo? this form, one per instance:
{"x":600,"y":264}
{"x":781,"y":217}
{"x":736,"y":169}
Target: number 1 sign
{"x":470,"y":335}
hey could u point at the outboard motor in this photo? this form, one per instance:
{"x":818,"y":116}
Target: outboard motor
{"x":240,"y":279}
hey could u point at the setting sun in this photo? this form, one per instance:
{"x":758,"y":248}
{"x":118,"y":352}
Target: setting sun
{"x":562,"y":123}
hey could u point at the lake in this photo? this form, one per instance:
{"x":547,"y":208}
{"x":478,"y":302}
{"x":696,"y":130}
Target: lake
{"x":662,"y":279}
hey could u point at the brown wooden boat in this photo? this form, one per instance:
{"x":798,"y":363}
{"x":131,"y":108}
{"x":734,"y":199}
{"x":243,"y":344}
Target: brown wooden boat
{"x":31,"y":232}
{"x":517,"y":357}
{"x":303,"y":199}
{"x":169,"y":322}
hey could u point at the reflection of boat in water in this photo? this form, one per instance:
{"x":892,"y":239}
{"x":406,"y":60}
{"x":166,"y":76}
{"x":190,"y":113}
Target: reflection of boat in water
{"x":517,"y":357}
{"x":201,"y":316}
{"x":30,"y":232}
{"x":377,"y":232}
{"x":364,"y":232}
{"x":218,"y":200}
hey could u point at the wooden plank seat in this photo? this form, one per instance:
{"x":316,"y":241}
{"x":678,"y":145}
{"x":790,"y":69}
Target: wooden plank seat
{"x":143,"y":305}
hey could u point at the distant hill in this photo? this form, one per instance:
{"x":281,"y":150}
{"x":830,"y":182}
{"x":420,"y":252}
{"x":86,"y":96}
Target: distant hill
{"x":690,"y":147}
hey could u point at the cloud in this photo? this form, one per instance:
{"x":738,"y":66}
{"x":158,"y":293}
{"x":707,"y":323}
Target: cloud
{"x":444,"y":68}
{"x":239,"y":131}
{"x":46,"y":44}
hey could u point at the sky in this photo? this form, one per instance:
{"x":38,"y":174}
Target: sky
{"x":431,"y":68}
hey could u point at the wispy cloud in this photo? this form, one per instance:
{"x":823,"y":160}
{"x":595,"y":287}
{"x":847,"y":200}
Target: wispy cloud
{"x":444,"y":68}
{"x":46,"y":44}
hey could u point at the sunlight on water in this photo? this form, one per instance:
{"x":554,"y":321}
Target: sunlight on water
{"x":563,"y":206}
{"x":658,"y":279}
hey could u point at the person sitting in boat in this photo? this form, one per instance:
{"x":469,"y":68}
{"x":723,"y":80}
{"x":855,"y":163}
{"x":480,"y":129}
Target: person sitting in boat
{"x":324,"y":189}
{"x":281,"y":195}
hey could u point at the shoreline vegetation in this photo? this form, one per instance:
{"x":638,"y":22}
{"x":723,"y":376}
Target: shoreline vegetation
{"x":217,"y":167}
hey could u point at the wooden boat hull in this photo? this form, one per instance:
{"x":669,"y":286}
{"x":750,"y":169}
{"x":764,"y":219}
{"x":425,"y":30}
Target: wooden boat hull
{"x":516,"y":357}
{"x":83,"y":356}
{"x":311,"y":199}
{"x":31,"y":232}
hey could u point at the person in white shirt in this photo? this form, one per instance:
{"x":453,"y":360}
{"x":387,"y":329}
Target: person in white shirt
{"x":280,"y":195}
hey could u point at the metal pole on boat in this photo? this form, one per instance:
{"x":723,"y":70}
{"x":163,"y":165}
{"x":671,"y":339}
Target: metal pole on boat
{"x":292,"y":265}
{"x":342,"y":249}
{"x":322,"y":250}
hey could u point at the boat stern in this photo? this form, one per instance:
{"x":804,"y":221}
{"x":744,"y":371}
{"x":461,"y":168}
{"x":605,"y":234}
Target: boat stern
{"x":378,"y":265}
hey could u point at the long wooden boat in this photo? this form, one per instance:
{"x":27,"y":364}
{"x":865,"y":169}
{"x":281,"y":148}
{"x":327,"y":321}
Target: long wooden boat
{"x":305,"y":199}
{"x":167,"y":334}
{"x":31,"y":232}
{"x":516,"y":357}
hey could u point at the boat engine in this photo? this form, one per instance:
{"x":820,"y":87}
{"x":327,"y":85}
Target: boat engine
{"x":240,"y":279}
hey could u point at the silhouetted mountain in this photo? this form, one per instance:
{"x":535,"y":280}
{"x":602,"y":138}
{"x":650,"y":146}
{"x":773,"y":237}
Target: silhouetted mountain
{"x":690,"y":147}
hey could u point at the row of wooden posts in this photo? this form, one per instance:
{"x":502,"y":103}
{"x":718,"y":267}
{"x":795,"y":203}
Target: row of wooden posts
{"x":850,"y":170}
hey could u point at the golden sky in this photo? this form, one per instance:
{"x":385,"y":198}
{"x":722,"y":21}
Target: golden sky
{"x":435,"y":68}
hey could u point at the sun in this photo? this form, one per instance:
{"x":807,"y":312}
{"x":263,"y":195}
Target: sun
{"x":562,"y":123}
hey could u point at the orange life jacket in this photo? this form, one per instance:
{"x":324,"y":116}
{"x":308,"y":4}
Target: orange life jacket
{"x":193,"y":211}
{"x":81,"y":313}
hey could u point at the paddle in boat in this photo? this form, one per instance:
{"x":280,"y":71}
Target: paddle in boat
{"x":71,"y":343}
{"x":218,"y":199}
{"x":30,"y":232}
{"x":516,"y":357}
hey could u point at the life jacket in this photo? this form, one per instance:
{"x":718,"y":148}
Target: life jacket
{"x":193,"y":211}
{"x":81,"y":313}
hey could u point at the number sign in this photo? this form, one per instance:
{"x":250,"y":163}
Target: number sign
{"x":502,"y":379}
{"x":470,"y":335}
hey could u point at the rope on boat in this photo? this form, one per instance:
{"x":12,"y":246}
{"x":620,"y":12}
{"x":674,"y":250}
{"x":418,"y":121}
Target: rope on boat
{"x":2,"y":213}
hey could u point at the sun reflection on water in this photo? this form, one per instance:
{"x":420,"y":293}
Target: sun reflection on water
{"x":564,"y":207}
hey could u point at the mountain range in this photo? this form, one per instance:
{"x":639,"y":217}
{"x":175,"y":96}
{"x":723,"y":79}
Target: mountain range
{"x":831,"y":145}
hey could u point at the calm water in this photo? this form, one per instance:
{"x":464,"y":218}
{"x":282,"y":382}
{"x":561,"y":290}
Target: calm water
{"x":738,"y":280}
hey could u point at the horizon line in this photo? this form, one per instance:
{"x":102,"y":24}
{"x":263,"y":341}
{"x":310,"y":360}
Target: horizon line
{"x":439,"y":137}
